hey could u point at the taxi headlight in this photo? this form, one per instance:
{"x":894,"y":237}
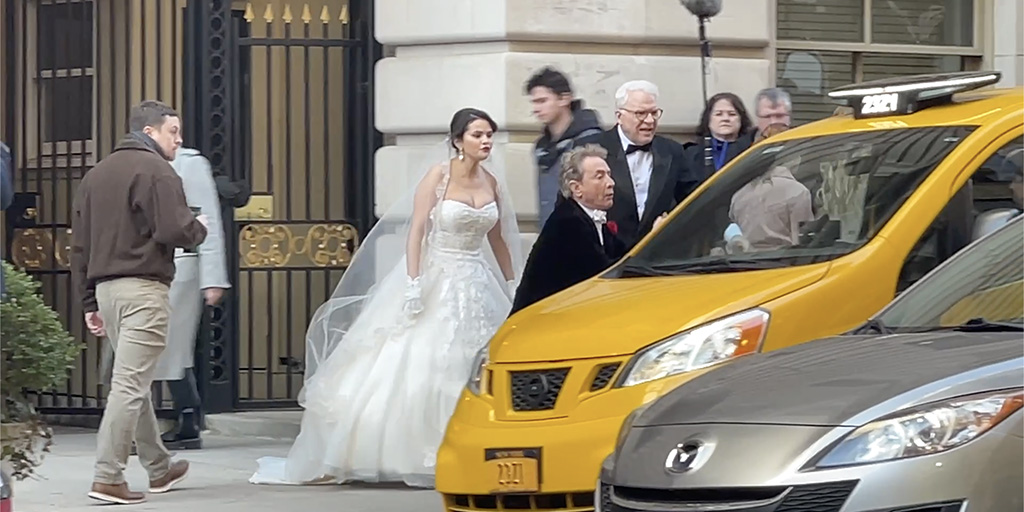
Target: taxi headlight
{"x":924,"y":430}
{"x":478,"y":371}
{"x":726,"y":338}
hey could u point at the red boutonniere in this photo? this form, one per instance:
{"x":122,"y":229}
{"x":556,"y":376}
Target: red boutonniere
{"x":613,"y":227}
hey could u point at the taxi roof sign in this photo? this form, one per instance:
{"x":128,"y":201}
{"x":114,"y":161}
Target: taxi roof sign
{"x":909,"y":94}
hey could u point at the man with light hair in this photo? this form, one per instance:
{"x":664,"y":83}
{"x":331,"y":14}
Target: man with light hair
{"x":772,"y":106}
{"x":649,"y":171}
{"x":578,"y":241}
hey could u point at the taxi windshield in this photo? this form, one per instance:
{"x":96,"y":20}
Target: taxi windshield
{"x":796,"y":202}
{"x":980,"y":289}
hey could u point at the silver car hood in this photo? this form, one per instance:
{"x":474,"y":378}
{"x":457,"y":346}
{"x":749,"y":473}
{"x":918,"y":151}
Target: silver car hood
{"x":846,"y":380}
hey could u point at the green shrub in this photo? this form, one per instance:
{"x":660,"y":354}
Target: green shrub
{"x":36,"y":353}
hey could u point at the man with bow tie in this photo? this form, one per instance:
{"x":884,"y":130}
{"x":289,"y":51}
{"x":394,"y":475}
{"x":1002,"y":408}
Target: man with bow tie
{"x":578,"y":241}
{"x":650,"y":175}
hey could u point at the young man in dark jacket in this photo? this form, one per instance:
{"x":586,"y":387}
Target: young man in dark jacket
{"x":129,"y":215}
{"x":565,"y":121}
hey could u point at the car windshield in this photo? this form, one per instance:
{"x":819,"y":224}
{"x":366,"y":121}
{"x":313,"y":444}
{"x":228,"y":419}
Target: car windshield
{"x":981,"y":288}
{"x":796,"y":202}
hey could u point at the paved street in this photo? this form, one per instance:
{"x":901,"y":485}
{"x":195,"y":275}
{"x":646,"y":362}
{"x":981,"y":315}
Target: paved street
{"x":218,"y":482}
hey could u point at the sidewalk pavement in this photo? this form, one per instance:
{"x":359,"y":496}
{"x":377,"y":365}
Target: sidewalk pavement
{"x":218,"y":481}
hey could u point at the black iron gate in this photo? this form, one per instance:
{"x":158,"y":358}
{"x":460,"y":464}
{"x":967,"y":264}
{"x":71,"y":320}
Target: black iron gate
{"x":73,"y":68}
{"x":284,"y":106}
{"x":277,"y":96}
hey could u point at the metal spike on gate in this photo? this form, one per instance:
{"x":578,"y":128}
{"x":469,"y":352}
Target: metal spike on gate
{"x":287,"y":16}
{"x":344,"y":15}
{"x":325,"y":17}
{"x":249,"y":15}
{"x":268,"y":15}
{"x":306,"y":15}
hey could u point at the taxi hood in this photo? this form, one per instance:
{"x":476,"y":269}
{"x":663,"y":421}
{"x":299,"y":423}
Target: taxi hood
{"x":605,"y":317}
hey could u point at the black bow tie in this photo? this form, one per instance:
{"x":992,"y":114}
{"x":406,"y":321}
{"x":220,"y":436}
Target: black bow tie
{"x":633,"y":148}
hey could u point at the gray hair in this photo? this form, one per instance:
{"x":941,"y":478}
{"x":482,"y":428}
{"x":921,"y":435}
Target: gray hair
{"x":622,"y":94}
{"x":775,"y":96}
{"x":572,"y":165}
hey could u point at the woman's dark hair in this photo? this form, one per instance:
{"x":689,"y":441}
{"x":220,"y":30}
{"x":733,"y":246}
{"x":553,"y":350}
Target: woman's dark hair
{"x":461,"y":121}
{"x":704,"y":128}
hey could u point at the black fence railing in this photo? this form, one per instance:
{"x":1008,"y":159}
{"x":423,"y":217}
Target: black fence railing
{"x":278,"y":97}
{"x":297,"y":239}
{"x":73,"y":69}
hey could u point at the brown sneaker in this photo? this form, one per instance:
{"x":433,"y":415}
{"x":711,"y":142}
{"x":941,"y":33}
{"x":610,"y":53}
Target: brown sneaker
{"x":119,"y":494}
{"x":177,"y":473}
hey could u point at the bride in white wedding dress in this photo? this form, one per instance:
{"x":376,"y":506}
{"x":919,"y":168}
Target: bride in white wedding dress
{"x":386,"y":361}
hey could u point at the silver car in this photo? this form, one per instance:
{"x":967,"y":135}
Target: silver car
{"x":918,"y":410}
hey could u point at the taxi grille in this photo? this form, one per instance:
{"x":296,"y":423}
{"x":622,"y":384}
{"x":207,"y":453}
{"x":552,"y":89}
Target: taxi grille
{"x":604,"y":376}
{"x":537,"y":390}
{"x":574,"y":502}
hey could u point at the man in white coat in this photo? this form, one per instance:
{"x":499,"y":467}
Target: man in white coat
{"x":200,"y":277}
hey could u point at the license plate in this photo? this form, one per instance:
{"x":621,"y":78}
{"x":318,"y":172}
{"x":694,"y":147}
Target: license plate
{"x":513,"y":470}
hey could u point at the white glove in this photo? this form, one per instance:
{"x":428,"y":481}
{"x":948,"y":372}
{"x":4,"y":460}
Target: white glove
{"x":413,"y":297}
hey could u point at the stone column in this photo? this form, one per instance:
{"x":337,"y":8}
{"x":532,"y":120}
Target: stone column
{"x":449,"y":54}
{"x":1008,"y":50}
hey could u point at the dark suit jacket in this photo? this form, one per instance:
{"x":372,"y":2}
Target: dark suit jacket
{"x":567,"y":251}
{"x":671,"y":182}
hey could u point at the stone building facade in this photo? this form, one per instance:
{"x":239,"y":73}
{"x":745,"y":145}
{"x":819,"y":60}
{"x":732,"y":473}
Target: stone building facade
{"x":446,"y":54}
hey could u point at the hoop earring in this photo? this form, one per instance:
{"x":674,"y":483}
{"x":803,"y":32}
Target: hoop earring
{"x":462,"y":156}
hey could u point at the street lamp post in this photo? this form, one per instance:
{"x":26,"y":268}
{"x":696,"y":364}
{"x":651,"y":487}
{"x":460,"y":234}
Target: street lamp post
{"x":704,"y":10}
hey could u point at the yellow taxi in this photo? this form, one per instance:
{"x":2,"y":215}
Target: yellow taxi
{"x":805,"y":235}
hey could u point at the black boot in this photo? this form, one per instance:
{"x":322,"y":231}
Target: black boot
{"x":185,"y":393}
{"x":186,"y":435}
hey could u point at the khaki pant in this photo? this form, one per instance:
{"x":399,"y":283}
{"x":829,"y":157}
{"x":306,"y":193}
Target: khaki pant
{"x":135,"y":313}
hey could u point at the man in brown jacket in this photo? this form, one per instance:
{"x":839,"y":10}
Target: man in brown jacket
{"x":129,"y":216}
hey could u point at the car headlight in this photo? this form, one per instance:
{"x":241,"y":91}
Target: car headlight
{"x":924,"y":430}
{"x":732,"y":336}
{"x":478,"y":372}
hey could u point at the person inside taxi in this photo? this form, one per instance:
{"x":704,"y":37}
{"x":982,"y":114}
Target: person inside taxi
{"x":767,"y":212}
{"x":1016,"y":159}
{"x":770,"y":210}
{"x":578,"y":241}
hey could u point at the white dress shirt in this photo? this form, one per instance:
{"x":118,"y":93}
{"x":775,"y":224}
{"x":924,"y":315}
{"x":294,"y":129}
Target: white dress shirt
{"x":641,"y":164}
{"x":599,"y":217}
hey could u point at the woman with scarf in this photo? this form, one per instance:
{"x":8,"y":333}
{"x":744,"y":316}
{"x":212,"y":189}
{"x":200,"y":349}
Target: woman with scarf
{"x":725,"y":131}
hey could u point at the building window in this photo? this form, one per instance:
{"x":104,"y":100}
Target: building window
{"x":808,"y":76}
{"x":825,"y":20}
{"x":824,"y":44}
{"x":56,"y":81}
{"x":923,"y":22}
{"x":64,"y":70}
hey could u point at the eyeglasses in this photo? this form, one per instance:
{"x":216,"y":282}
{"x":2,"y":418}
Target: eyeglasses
{"x":642,"y":114}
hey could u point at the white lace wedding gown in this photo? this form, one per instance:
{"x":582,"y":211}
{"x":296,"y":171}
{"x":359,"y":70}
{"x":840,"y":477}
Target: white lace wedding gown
{"x":377,"y":409}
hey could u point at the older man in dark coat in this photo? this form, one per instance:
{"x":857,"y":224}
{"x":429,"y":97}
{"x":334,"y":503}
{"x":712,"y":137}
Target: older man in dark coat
{"x":577,"y":242}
